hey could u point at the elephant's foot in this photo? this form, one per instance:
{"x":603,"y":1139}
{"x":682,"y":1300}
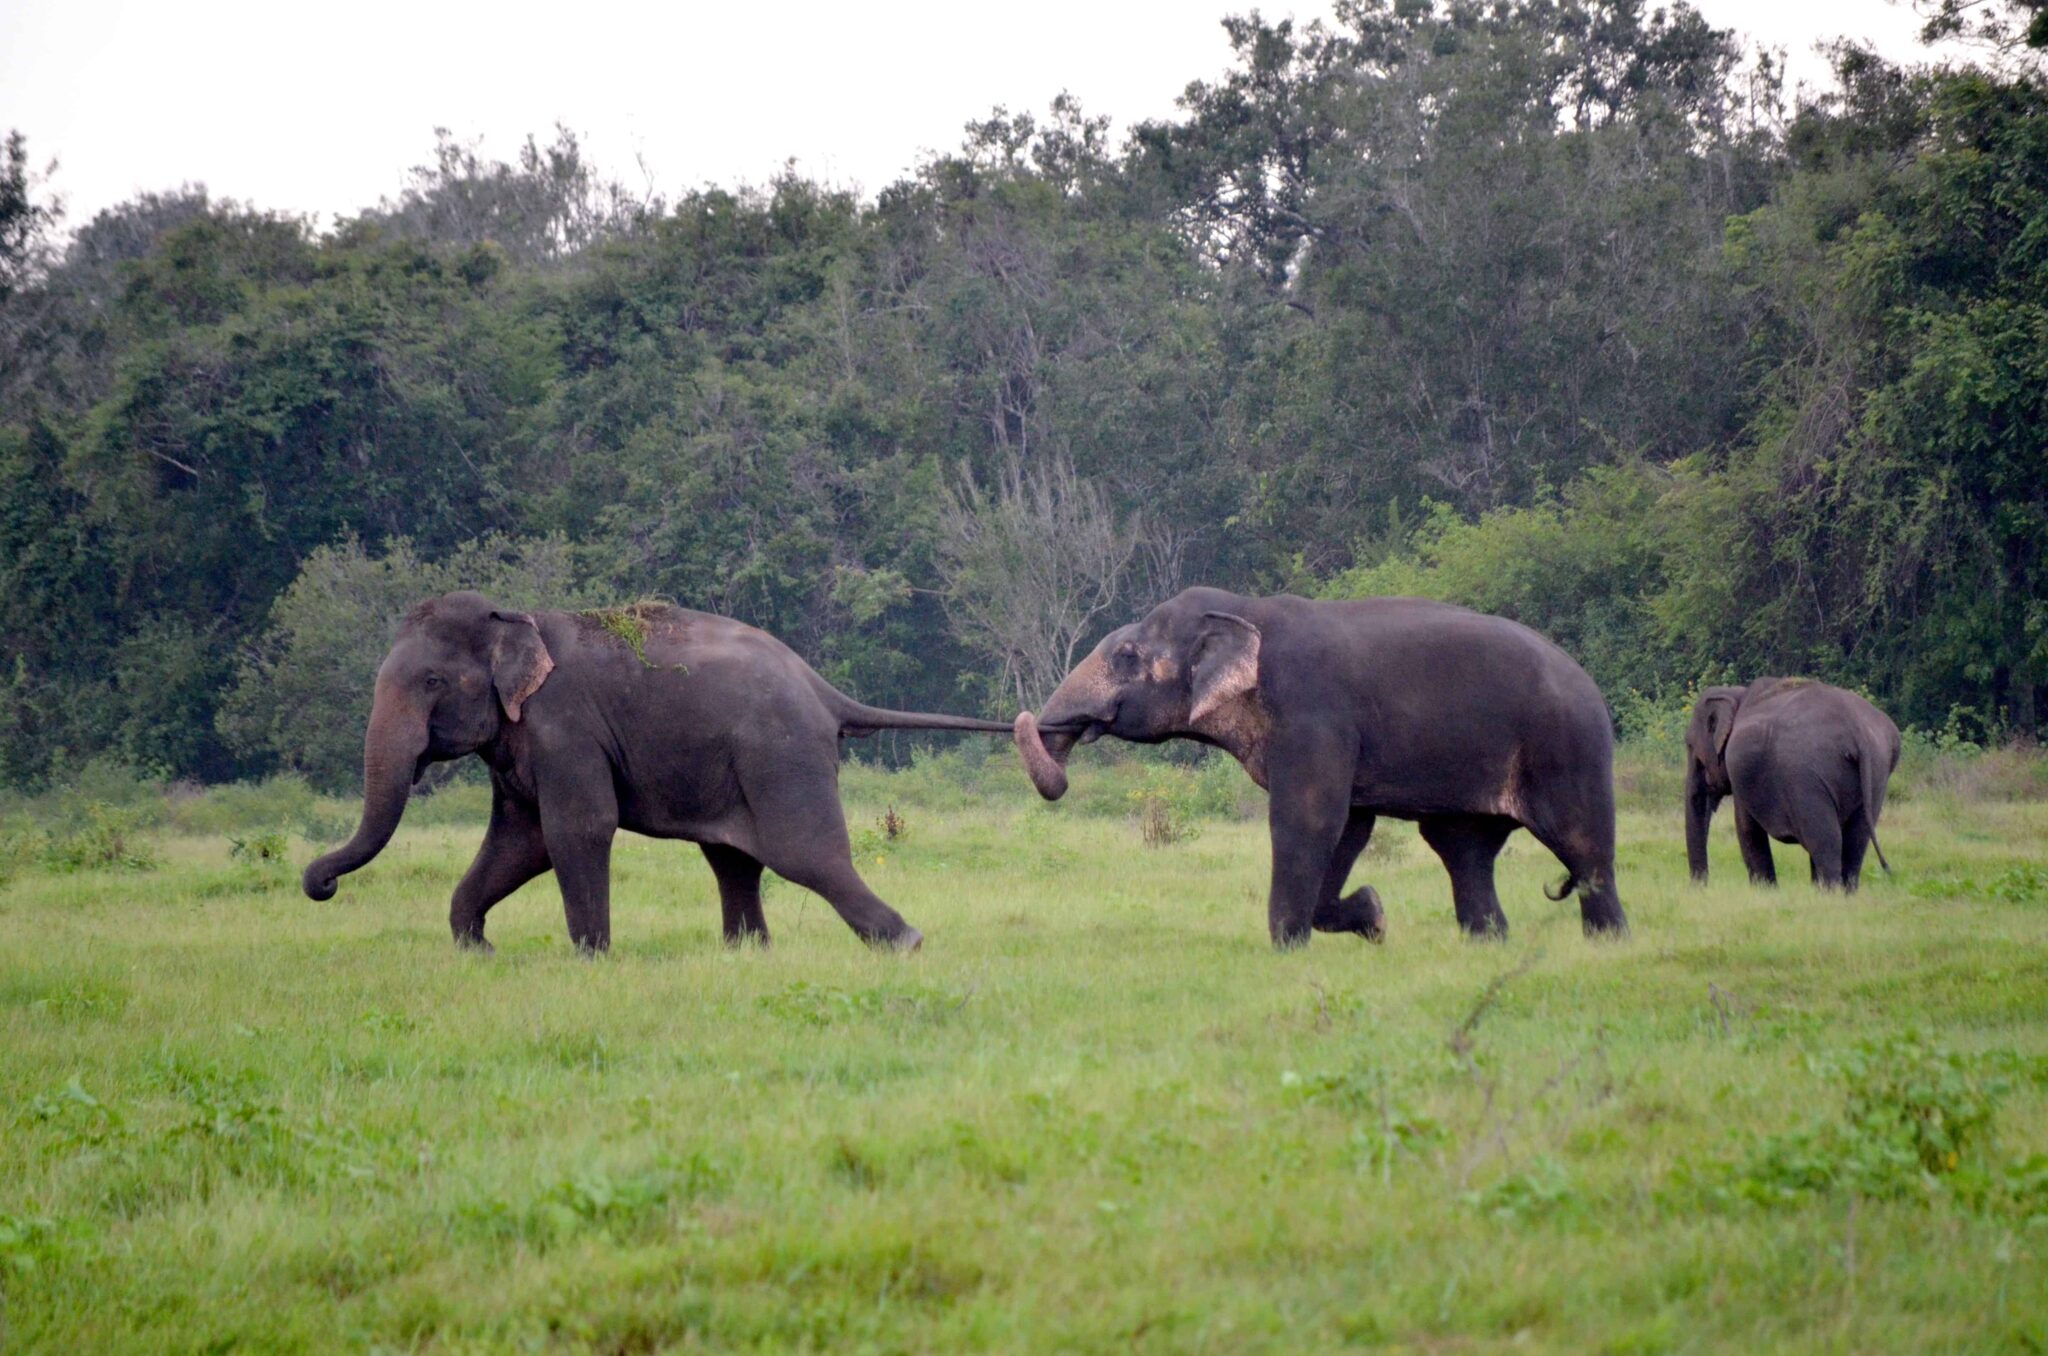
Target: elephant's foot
{"x":1359,"y":912}
{"x":474,"y":942}
{"x":906,"y":941}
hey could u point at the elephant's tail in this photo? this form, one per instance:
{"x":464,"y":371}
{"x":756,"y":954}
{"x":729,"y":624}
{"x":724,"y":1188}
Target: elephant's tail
{"x":1563,"y":888}
{"x":1874,"y":778}
{"x":857,"y":719}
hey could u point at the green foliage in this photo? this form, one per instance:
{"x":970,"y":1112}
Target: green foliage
{"x":1554,"y":310}
{"x":301,"y":696}
{"x":109,"y":840}
{"x":1913,"y":1112}
{"x":1164,"y":805}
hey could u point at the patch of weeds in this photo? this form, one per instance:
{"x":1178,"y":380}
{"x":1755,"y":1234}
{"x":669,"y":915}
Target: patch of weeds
{"x":575,"y":1050}
{"x":1912,"y":1112}
{"x":79,"y":999}
{"x":1164,"y":806}
{"x":617,"y":1206}
{"x":74,"y":1118}
{"x":265,"y":850}
{"x":31,"y":1242}
{"x":1384,"y":1125}
{"x":856,"y":1166}
{"x":375,"y":1020}
{"x":109,"y":840}
{"x":2024,"y":884}
{"x":1541,"y":1189}
{"x":20,"y":849}
{"x":823,"y":1004}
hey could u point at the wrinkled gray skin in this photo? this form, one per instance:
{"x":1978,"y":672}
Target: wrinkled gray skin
{"x":713,"y":732}
{"x":1806,"y":764}
{"x":1473,"y":726}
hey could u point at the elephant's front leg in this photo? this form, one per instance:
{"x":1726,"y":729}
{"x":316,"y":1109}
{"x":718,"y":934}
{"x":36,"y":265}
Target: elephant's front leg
{"x":579,"y":815}
{"x":1307,"y":813}
{"x":513,"y":853}
{"x":1756,"y":848}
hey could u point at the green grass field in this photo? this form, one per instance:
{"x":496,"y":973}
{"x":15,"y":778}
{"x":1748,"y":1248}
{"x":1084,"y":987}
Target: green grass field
{"x":1097,"y":1112}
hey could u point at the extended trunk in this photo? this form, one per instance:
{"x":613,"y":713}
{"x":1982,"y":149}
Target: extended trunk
{"x":1045,"y":756}
{"x":392,"y":747}
{"x":1700,"y":802}
{"x":1075,"y":706}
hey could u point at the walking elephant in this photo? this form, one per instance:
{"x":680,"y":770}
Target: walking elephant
{"x":1473,"y":726}
{"x":1806,"y":763}
{"x":671,"y":723}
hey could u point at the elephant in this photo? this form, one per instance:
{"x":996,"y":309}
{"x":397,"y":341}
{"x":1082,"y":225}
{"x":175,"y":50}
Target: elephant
{"x":654,"y":718}
{"x":1807,"y":763}
{"x":1470,"y":725}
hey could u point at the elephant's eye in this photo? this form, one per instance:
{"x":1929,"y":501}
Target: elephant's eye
{"x":1124,"y":662}
{"x":433,"y":680}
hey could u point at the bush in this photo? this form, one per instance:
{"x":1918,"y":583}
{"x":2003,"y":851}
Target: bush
{"x":1913,"y":1113}
{"x":1164,"y":806}
{"x":108,"y":841}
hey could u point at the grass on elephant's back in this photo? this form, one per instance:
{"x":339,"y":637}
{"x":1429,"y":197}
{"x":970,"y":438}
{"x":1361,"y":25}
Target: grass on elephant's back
{"x":1095,"y":1111}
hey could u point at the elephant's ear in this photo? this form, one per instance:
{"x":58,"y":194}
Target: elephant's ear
{"x":1226,"y":664}
{"x":1714,"y":721}
{"x":520,"y":661}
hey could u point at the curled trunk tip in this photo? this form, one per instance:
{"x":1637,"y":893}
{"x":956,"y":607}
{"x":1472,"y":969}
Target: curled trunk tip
{"x":1046,"y":773}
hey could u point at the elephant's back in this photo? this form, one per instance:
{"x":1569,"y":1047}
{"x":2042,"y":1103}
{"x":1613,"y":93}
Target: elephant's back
{"x":1432,"y":643}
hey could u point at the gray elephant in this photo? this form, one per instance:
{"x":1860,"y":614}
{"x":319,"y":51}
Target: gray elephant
{"x":1806,"y":763}
{"x":1473,"y":726}
{"x":671,"y":723}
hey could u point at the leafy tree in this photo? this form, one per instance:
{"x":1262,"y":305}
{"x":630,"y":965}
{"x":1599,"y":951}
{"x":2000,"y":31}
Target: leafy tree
{"x":302,"y":691}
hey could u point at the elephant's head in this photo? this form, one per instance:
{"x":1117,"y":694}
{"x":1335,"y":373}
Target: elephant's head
{"x":458,"y":671}
{"x":1190,"y":667}
{"x":1706,"y":772}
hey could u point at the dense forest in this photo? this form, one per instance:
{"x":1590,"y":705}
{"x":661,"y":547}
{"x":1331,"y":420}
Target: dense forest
{"x":1563,"y":309}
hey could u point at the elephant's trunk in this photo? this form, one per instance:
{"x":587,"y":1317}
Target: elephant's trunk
{"x":1700,"y":802}
{"x":1073,"y":714}
{"x":1048,"y":769}
{"x":392,"y":747}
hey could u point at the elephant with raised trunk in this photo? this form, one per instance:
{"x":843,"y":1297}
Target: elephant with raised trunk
{"x":671,"y":723}
{"x":1473,"y":726}
{"x":1806,"y":763}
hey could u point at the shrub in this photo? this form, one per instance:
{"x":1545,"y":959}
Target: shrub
{"x":1912,"y":1112}
{"x":1165,"y":807}
{"x":108,"y":841}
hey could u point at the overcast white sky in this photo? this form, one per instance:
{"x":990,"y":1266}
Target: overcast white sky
{"x":321,"y":109}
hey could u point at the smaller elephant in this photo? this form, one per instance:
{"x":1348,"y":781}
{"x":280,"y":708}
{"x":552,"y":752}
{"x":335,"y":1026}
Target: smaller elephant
{"x":1807,"y":763}
{"x":654,"y":718}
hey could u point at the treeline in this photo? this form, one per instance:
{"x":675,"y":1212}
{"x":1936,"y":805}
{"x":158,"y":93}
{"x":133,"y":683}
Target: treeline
{"x":1558,"y":308}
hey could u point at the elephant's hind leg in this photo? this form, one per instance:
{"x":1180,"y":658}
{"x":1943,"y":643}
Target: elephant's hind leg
{"x":1756,"y":848}
{"x":1359,"y":911}
{"x":1468,"y":845}
{"x":512,"y":854}
{"x":799,"y":833}
{"x":1855,"y":843}
{"x":1581,"y":836}
{"x":739,"y":894}
{"x":1820,"y":833}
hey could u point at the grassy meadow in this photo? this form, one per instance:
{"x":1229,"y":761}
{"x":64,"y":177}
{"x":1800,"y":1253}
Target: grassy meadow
{"x":1096,"y":1112}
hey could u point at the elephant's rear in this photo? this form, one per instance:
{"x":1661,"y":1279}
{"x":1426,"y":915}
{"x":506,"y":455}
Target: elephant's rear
{"x":1554,"y":774}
